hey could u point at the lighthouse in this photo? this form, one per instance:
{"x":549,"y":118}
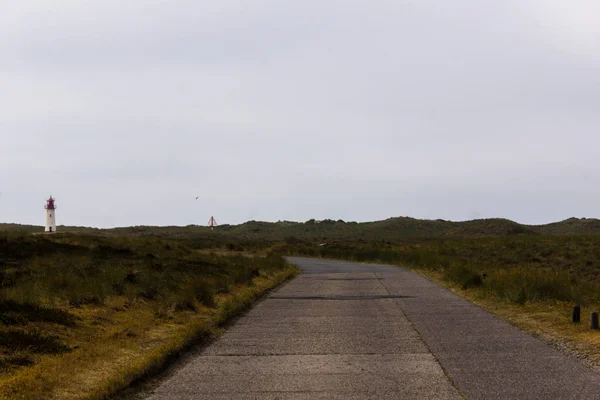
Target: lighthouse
{"x":50,"y":215}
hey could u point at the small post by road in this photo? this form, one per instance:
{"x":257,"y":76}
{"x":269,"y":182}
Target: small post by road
{"x":576,"y":314}
{"x":594,"y":320}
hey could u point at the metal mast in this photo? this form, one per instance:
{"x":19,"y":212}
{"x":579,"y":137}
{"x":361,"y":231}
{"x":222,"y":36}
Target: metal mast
{"x":212,"y":223}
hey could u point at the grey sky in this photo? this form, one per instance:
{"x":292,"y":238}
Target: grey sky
{"x":268,"y":110}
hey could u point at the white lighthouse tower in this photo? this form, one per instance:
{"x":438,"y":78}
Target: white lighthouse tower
{"x":50,"y":215}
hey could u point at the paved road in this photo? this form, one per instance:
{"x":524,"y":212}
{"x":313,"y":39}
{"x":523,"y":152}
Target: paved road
{"x":360,"y":331}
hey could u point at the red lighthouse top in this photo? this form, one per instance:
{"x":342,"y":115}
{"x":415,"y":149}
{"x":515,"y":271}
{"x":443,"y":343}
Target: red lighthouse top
{"x":50,"y":204}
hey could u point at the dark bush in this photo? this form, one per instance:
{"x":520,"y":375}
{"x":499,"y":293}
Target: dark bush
{"x":465,"y":277}
{"x":15,"y":361}
{"x":13,"y":313}
{"x":33,"y":341}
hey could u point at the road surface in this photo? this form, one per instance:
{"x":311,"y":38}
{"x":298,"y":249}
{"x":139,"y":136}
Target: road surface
{"x":362,"y":331}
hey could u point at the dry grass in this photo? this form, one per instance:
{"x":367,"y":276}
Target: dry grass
{"x":116,"y":346}
{"x":82,"y":316}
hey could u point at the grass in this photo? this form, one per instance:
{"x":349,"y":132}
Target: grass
{"x":82,"y":316}
{"x":86,"y":313}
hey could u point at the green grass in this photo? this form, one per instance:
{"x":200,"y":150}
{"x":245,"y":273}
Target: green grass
{"x":521,"y":285}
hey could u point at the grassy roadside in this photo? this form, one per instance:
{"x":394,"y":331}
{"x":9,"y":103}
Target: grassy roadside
{"x":547,"y":320}
{"x":83,"y":317}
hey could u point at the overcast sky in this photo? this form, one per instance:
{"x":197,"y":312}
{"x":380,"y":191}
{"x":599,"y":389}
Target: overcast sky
{"x":126,"y":111}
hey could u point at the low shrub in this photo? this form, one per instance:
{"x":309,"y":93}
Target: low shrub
{"x":204,"y":290}
{"x":464,"y":276}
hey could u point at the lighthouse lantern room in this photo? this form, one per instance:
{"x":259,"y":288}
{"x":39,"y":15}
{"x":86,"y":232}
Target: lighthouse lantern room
{"x":50,"y":215}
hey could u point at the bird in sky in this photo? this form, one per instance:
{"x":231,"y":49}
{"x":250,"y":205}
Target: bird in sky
{"x":197,"y":197}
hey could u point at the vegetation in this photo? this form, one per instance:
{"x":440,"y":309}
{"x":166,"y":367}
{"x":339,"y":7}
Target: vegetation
{"x":83,"y":315}
{"x":256,"y":234}
{"x":87,"y":311}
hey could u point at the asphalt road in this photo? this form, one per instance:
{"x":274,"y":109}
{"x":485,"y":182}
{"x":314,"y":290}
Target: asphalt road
{"x":361,"y":331}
